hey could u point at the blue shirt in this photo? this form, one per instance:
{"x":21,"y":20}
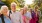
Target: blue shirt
{"x":7,"y":20}
{"x":28,"y":14}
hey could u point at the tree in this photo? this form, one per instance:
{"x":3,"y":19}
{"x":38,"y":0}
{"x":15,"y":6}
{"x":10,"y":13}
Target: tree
{"x":21,"y":3}
{"x":39,"y":3}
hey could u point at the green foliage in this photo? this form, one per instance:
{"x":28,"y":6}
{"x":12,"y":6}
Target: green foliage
{"x":39,"y":3}
{"x":41,"y":9}
{"x":21,"y":3}
{"x":7,"y":3}
{"x":29,"y":6}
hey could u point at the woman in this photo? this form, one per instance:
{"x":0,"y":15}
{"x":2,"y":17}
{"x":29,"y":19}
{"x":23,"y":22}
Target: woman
{"x":23,"y":18}
{"x":33,"y":16}
{"x":4,"y":16}
{"x":37,"y":16}
{"x":27,"y":14}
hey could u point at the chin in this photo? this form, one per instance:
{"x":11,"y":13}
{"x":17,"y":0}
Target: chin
{"x":13,"y":11}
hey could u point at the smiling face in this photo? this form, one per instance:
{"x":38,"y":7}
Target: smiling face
{"x":30,"y":10}
{"x":13,"y":7}
{"x":22,"y":11}
{"x":4,"y":10}
{"x":25,"y":10}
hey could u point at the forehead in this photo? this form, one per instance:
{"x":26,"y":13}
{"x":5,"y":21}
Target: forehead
{"x":13,"y":5}
{"x":25,"y":8}
{"x":21,"y":10}
{"x":5,"y":8}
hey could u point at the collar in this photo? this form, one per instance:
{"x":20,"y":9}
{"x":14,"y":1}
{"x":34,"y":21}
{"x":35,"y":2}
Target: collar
{"x":12,"y":11}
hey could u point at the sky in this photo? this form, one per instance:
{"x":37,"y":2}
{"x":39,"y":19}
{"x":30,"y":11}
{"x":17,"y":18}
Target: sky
{"x":28,"y":1}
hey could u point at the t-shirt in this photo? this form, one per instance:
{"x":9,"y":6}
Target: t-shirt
{"x":15,"y":17}
{"x":23,"y":19}
{"x":28,"y":15}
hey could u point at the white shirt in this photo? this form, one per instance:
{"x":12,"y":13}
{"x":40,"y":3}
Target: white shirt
{"x":28,"y":14}
{"x":15,"y":17}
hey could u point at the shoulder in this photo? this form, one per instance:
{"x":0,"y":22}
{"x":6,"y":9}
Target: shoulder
{"x":8,"y":11}
{"x":18,"y":12}
{"x":28,"y":13}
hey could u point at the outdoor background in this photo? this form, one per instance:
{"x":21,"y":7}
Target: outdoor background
{"x":21,"y":3}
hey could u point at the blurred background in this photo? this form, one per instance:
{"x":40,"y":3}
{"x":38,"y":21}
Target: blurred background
{"x":21,"y":3}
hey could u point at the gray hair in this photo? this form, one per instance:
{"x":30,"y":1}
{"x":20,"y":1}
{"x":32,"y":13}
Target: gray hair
{"x":3,"y":7}
{"x":25,"y":7}
{"x":21,"y":9}
{"x":13,"y":3}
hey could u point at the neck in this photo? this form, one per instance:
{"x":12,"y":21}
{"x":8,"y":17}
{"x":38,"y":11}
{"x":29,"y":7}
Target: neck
{"x":22,"y":14}
{"x":25,"y":12}
{"x":13,"y":11}
{"x":5,"y":15}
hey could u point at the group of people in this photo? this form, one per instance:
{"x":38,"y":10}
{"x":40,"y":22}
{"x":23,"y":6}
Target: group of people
{"x":23,"y":16}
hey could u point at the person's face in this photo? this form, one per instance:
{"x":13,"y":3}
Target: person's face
{"x":22,"y":12}
{"x":35,"y":9}
{"x":30,"y":10}
{"x":25,"y":10}
{"x":5,"y":10}
{"x":13,"y":8}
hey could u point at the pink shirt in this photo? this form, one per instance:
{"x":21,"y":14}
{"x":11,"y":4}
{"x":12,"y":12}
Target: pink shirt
{"x":23,"y":19}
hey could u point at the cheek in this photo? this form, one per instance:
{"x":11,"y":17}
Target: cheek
{"x":3,"y":11}
{"x":13,"y":8}
{"x":22,"y":12}
{"x":6,"y":11}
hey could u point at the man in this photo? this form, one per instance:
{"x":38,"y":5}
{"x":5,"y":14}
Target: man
{"x":15,"y":16}
{"x":27,"y":14}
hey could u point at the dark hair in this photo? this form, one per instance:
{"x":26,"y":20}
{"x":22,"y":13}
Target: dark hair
{"x":36,"y":7}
